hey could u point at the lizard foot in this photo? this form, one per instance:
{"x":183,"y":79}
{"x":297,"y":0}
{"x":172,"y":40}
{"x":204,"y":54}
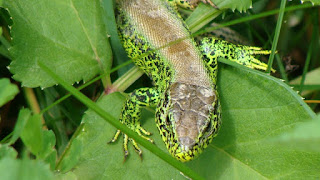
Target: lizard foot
{"x":141,"y":132}
{"x":255,"y":63}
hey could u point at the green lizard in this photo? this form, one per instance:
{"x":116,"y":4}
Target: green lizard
{"x":188,"y":113}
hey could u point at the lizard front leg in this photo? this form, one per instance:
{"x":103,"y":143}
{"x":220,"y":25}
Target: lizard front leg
{"x":213,"y":48}
{"x":130,"y":116}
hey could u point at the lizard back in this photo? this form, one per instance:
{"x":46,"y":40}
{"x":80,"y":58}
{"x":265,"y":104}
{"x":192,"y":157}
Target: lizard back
{"x":164,"y":30}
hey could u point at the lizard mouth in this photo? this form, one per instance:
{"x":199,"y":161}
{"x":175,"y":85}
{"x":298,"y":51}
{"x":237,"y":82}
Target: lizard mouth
{"x":186,"y":143}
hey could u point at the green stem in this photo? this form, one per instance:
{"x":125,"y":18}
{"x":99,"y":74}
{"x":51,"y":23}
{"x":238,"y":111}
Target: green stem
{"x":305,"y":69}
{"x":6,"y":139}
{"x":68,"y":95}
{"x":88,"y":84}
{"x":127,"y":79}
{"x":276,"y":35}
{"x":314,"y":40}
{"x":33,"y":103}
{"x":79,"y":129}
{"x":253,"y":17}
{"x":309,"y":87}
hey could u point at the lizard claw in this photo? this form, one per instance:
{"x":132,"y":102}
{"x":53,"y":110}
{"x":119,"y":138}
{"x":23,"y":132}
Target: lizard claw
{"x":141,"y":132}
{"x":115,"y":137}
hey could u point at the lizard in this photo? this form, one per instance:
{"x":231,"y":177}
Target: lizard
{"x":184,"y":74}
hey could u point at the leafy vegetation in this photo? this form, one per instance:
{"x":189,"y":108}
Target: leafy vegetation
{"x":269,"y":131}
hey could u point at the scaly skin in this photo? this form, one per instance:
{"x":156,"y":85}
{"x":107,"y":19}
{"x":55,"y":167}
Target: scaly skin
{"x":187,"y":104}
{"x":190,"y":4}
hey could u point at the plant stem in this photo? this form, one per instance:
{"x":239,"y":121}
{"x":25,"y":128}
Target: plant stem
{"x":252,"y":17}
{"x":127,"y":79}
{"x":276,"y":35}
{"x":310,"y":51}
{"x":33,"y":103}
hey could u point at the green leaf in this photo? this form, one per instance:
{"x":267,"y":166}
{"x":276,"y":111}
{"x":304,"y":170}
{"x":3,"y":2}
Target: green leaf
{"x":40,"y":142}
{"x":72,"y":153}
{"x":120,"y":55}
{"x":14,"y":169}
{"x":312,"y":80}
{"x":48,"y":152}
{"x":241,"y":5}
{"x":51,"y":159}
{"x":305,"y":136}
{"x":32,"y":135}
{"x":201,"y":16}
{"x":24,"y":115}
{"x":255,"y":108}
{"x":7,"y":91}
{"x":7,"y":151}
{"x":49,"y":141}
{"x":68,"y":36}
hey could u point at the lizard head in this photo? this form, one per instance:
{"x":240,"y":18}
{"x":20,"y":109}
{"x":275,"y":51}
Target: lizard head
{"x":193,"y":114}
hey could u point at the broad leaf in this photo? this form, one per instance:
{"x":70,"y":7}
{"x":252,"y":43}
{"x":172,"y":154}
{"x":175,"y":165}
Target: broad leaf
{"x":310,"y":84}
{"x":255,"y":108}
{"x":40,"y":142}
{"x":312,"y":78}
{"x":241,"y":5}
{"x":32,"y":135}
{"x":25,"y":169}
{"x":23,"y":117}
{"x":48,"y":152}
{"x":68,"y":36}
{"x":304,"y":137}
